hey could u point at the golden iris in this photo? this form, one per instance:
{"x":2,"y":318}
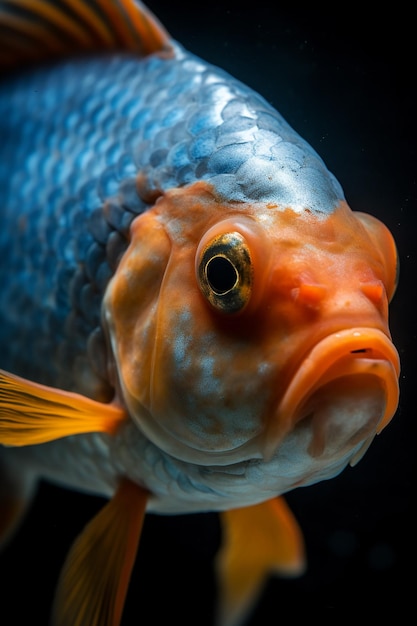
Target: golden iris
{"x":225,"y":272}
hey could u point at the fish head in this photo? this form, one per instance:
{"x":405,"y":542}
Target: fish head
{"x":232,"y":331}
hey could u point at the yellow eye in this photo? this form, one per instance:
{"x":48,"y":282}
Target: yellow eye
{"x":225,"y":272}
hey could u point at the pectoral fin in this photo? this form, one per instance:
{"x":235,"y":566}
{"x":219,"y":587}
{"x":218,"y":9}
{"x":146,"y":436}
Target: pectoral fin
{"x":31,"y":413}
{"x":258,"y":541}
{"x":94,"y":581}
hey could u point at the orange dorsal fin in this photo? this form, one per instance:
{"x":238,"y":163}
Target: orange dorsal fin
{"x":94,"y":580}
{"x":31,"y":413}
{"x":258,"y":541}
{"x":36,"y":30}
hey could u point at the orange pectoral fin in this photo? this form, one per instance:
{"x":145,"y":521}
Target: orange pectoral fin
{"x":31,"y":413}
{"x":258,"y":541}
{"x":94,"y":580}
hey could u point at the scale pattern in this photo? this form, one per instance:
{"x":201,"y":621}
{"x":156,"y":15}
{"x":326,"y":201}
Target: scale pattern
{"x":74,"y":138}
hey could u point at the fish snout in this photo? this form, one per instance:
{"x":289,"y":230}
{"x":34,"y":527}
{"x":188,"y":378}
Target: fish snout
{"x":344,"y":392}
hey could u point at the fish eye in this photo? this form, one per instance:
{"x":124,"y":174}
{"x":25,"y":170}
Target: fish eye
{"x":225,"y":273}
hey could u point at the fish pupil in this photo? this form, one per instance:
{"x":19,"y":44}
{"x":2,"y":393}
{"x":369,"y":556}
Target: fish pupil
{"x":221,"y":274}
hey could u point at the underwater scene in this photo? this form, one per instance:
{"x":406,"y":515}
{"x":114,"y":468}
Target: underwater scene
{"x":336,"y":77}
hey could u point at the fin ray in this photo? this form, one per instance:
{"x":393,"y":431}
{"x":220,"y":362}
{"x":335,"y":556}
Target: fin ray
{"x":21,"y":39}
{"x":94,"y":581}
{"x":257,"y":541}
{"x":31,"y":413}
{"x":45,"y":12}
{"x":99,"y":27}
{"x":62,"y":27}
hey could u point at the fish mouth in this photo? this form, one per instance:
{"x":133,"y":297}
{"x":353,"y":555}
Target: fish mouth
{"x":346,"y":389}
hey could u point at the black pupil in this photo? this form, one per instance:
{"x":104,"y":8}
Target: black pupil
{"x":221,"y":274}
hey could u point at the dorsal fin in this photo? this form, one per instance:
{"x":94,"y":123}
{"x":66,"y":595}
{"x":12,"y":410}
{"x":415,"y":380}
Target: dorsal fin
{"x":36,"y":30}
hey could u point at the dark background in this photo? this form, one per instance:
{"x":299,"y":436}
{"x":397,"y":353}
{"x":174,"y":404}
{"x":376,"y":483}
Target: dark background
{"x":345,"y":82}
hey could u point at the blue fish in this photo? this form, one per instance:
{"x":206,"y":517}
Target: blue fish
{"x":193,"y":319}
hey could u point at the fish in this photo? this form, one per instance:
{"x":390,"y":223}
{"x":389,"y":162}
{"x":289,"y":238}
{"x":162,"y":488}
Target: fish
{"x":193,"y":318}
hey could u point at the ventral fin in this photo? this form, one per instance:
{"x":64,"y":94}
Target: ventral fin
{"x":94,"y":580}
{"x":258,"y":541}
{"x":37,"y":30}
{"x":31,"y":413}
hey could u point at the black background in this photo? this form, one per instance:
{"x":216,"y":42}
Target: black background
{"x":345,"y":82}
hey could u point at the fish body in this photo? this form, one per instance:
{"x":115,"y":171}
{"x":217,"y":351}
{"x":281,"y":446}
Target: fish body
{"x":177,"y":255}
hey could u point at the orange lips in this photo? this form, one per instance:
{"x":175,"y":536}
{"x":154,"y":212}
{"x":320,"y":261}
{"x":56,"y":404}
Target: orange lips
{"x":354,"y":354}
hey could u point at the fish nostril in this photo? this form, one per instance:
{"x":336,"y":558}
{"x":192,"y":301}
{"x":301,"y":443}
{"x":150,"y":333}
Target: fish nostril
{"x":361,"y":351}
